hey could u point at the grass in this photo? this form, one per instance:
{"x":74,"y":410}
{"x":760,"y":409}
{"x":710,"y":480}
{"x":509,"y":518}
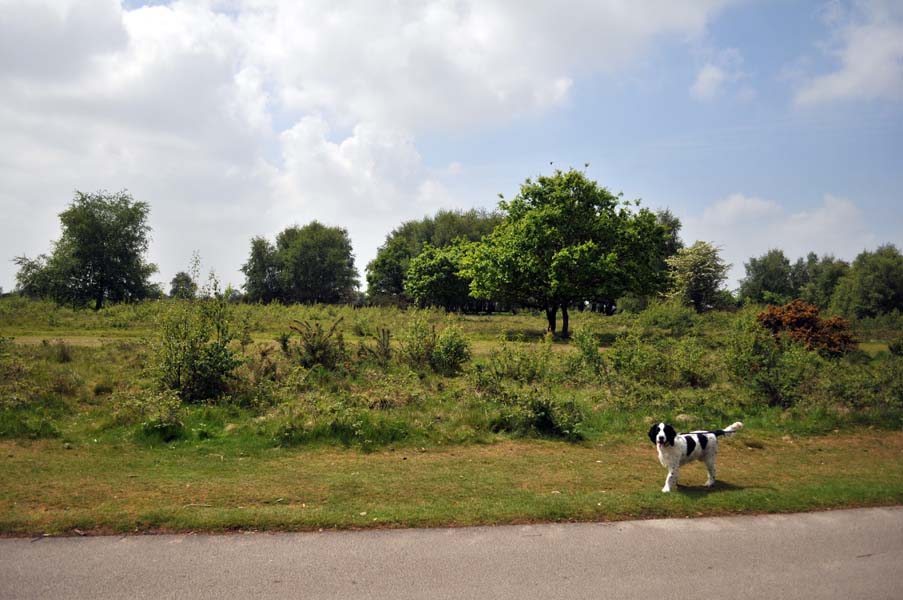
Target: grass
{"x":89,"y":443}
{"x":101,"y":488}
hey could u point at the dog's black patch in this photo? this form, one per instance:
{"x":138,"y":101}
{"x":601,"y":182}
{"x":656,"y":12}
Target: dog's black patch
{"x":691,"y":445}
{"x":718,"y":432}
{"x":703,"y":440}
{"x":670,"y":434}
{"x":653,"y":431}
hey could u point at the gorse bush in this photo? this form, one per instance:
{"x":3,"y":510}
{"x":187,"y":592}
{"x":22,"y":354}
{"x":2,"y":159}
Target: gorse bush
{"x":417,"y":342}
{"x":317,"y":345}
{"x":800,"y":322}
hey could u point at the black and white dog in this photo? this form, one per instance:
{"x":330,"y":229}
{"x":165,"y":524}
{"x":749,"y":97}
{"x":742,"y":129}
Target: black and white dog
{"x":676,"y":449}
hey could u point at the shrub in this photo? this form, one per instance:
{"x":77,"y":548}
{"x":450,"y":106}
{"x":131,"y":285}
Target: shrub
{"x":351,"y":426}
{"x":800,"y":322}
{"x":671,"y":316}
{"x":771,"y":369}
{"x":692,"y":363}
{"x":519,"y":362}
{"x":317,"y":345}
{"x":639,"y":360}
{"x":450,"y":352}
{"x":530,"y":412}
{"x":381,"y":351}
{"x":192,"y":352}
{"x":588,"y":357}
{"x":158,"y":413}
{"x":418,"y":341}
{"x":896,"y":347}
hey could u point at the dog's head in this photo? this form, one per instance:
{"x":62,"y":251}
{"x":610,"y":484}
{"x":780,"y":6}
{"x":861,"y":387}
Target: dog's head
{"x":662,"y":434}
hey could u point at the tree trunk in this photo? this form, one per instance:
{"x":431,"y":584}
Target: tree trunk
{"x":564,"y":321}
{"x":551,"y":313}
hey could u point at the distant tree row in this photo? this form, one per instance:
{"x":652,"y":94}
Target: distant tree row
{"x":562,"y":242}
{"x":871,"y":286}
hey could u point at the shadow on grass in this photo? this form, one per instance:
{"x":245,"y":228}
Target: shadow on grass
{"x":700,"y":491}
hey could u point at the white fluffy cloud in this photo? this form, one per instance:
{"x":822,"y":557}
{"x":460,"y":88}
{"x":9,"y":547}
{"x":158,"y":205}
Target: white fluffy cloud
{"x":867,"y":43}
{"x":747,"y":226}
{"x":235,"y":118}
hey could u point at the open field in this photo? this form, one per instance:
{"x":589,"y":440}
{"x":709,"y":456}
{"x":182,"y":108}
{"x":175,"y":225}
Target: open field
{"x":45,"y":488}
{"x":517,"y":428}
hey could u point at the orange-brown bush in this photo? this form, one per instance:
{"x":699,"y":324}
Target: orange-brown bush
{"x":799,"y":321}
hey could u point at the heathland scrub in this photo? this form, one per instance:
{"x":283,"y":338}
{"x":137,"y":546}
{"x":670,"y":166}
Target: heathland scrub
{"x":206,"y":416}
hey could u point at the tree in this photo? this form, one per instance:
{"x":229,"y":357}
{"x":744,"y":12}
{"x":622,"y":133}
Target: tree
{"x":873,"y":285}
{"x":434,"y":278}
{"x":308,"y":264}
{"x":697,"y":275}
{"x":387,"y":272}
{"x":262,"y":272}
{"x":99,"y":257}
{"x":815,"y":279}
{"x":565,"y":239}
{"x":183,"y":286}
{"x":768,"y":279}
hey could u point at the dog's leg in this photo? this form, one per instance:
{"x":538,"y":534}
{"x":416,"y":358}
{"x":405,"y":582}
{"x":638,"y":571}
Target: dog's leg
{"x":710,"y":465}
{"x":671,"y":481}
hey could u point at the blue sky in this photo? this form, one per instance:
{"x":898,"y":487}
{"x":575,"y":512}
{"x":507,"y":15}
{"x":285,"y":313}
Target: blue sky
{"x":760,"y":124}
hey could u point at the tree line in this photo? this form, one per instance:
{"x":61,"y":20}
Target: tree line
{"x":562,"y":242}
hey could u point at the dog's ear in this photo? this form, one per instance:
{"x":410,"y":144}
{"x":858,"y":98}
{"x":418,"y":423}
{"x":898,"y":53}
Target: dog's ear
{"x":653,"y":431}
{"x":670,"y":434}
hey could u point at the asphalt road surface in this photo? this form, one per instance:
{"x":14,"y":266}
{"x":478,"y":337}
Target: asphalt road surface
{"x":843,"y":554}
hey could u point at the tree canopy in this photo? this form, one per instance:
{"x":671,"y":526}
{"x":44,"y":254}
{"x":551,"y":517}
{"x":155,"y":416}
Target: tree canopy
{"x":697,"y":275}
{"x":873,"y":286}
{"x":308,"y":264}
{"x":434,"y":278}
{"x":386,"y":274}
{"x":183,"y":286}
{"x":99,"y":257}
{"x":564,"y":239}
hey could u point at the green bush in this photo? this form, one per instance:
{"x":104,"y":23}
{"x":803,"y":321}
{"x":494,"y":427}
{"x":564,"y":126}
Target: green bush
{"x":349,"y":425}
{"x":671,"y":317}
{"x":640,"y":361}
{"x":692,"y":364}
{"x":773,"y":370}
{"x":518,"y":362}
{"x":192,"y":352}
{"x":418,"y":341}
{"x":317,"y":345}
{"x":530,"y":412}
{"x":588,"y":358}
{"x":896,"y":347}
{"x":450,"y":352}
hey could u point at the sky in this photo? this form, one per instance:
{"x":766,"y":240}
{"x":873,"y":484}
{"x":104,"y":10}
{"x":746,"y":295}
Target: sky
{"x":760,"y":124}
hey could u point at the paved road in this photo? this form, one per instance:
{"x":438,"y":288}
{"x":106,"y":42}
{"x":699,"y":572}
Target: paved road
{"x":843,"y":554}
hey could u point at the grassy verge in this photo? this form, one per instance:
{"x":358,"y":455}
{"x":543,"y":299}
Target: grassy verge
{"x":47,"y":487}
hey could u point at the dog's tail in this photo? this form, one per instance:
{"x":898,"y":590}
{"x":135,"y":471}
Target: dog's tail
{"x":728,"y":431}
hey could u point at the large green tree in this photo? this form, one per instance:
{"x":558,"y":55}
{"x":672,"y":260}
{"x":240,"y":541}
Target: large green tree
{"x":566,"y":239}
{"x":814,"y":279}
{"x":386,"y":274}
{"x":873,"y":285}
{"x":99,"y":257}
{"x":697,"y":276}
{"x":308,"y":264}
{"x":768,"y":279}
{"x":434,"y":278}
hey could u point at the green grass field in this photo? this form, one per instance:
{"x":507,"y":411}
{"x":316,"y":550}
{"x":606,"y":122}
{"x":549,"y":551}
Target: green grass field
{"x":526,"y":429}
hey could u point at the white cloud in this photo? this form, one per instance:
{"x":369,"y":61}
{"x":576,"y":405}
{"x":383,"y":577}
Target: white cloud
{"x":868,"y":45}
{"x":236,"y":118}
{"x":721,"y":72}
{"x":747,"y":226}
